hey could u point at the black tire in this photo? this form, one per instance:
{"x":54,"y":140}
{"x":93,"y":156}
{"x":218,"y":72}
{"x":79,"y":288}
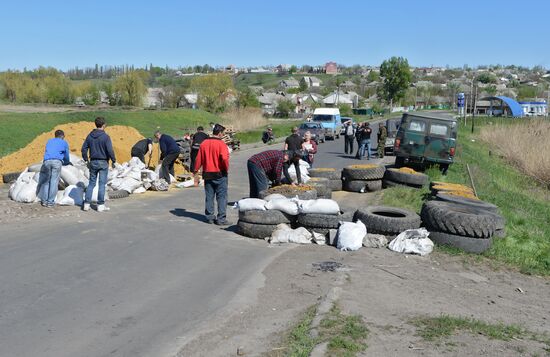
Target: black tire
{"x":375,"y":185}
{"x":266,"y":217}
{"x":114,"y":195}
{"x":323,"y":190}
{"x":253,"y":230}
{"x":370,"y":173}
{"x":354,"y":185}
{"x":335,"y":185}
{"x":329,"y":173}
{"x":390,"y":184}
{"x":10,"y":177}
{"x":467,"y":201}
{"x":347,"y":216}
{"x":303,"y":195}
{"x":399,"y":161}
{"x":328,"y":221}
{"x":410,"y":179}
{"x":470,"y":245}
{"x":458,"y":219}
{"x":387,"y":220}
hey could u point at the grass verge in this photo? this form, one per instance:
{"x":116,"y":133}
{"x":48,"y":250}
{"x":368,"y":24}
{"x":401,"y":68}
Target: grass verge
{"x":345,"y":335}
{"x":435,"y":328}
{"x":522,"y":201}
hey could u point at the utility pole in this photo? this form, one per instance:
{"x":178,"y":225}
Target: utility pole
{"x":474,"y":110}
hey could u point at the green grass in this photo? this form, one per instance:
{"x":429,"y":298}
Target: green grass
{"x":522,"y":201}
{"x":345,"y":335}
{"x":436,"y":328}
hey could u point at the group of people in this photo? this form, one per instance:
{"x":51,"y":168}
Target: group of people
{"x":362,"y":135}
{"x":97,"y":151}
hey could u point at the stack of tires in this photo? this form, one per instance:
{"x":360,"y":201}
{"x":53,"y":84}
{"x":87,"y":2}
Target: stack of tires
{"x":262,"y":223}
{"x":321,"y":185}
{"x":333,"y":176}
{"x":363,"y":178}
{"x":389,"y":221}
{"x":470,"y":227}
{"x":404,"y":177}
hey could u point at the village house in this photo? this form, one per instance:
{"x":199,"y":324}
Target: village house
{"x":310,"y":81}
{"x":331,"y":68}
{"x":289,"y":83}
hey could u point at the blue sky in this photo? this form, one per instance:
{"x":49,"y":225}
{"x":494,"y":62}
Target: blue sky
{"x":65,"y":34}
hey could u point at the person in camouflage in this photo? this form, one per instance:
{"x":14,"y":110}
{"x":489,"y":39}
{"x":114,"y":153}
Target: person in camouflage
{"x":382,"y":135}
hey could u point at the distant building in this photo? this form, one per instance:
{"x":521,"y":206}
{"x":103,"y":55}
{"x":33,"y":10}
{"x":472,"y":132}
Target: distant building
{"x":282,"y":68}
{"x":534,"y":108}
{"x":289,"y":83}
{"x":154,"y":97}
{"x":311,"y":81}
{"x":331,"y":68}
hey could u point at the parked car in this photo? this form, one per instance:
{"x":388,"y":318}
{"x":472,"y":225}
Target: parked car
{"x":316,"y":129}
{"x":392,"y":125}
{"x":425,"y":139}
{"x":329,"y":118}
{"x":343,"y":120}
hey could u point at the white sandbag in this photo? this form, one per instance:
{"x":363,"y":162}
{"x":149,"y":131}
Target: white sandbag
{"x":59,"y":196}
{"x":274,"y":196}
{"x":95,"y":193}
{"x":140,"y":189}
{"x":72,"y":196}
{"x":76,"y":160}
{"x":159,"y":185}
{"x":186,"y":184}
{"x":350,"y":235}
{"x":72,"y":175}
{"x":129,"y":184}
{"x":36,"y":177}
{"x":304,"y":172}
{"x":286,"y":205}
{"x":413,"y":241}
{"x":27,"y":193}
{"x":319,"y":238}
{"x":137,"y":163}
{"x":284,"y":234}
{"x":35,"y":167}
{"x":134,"y":173}
{"x":319,"y":206}
{"x":23,"y":180}
{"x":151,"y":175}
{"x":250,"y":204}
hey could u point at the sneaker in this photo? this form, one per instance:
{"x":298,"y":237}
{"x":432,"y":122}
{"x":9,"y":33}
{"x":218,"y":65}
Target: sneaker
{"x":210,"y":221}
{"x":102,"y":208}
{"x":86,"y":207}
{"x":222,"y":223}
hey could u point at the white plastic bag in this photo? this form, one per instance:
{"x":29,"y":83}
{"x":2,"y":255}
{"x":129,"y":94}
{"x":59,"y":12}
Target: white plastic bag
{"x":136,"y":162}
{"x":140,"y":189}
{"x":250,"y":204}
{"x":24,"y":188}
{"x":286,"y":205}
{"x":319,"y":238}
{"x":413,"y":241}
{"x":129,"y":184}
{"x":350,"y":235}
{"x":72,"y":196}
{"x":319,"y":206}
{"x":284,"y":234}
{"x":72,"y":176}
{"x":304,"y":172}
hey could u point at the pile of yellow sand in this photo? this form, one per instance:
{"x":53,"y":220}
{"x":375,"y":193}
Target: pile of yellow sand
{"x":123,"y":138}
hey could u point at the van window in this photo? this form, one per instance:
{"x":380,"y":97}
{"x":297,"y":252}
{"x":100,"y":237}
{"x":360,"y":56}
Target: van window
{"x":322,"y":117}
{"x":417,"y":125}
{"x":439,"y":129}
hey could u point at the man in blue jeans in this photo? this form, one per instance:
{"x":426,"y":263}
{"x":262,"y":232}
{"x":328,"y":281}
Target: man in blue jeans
{"x":55,"y":156}
{"x":98,"y":143}
{"x":366,"y":131}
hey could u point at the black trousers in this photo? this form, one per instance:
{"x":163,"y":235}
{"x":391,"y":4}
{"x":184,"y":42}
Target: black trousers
{"x":349,"y":139}
{"x":193,"y":158}
{"x":139,"y":154}
{"x":167,"y":167}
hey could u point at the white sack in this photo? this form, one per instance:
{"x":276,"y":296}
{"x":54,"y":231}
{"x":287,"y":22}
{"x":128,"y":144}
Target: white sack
{"x":159,"y":185}
{"x":35,"y":167}
{"x":36,"y":176}
{"x":319,"y":206}
{"x":350,"y":235}
{"x":186,"y":184}
{"x":286,"y":205}
{"x":137,"y":163}
{"x":129,"y":184}
{"x":140,"y":189}
{"x":412,"y":241}
{"x":250,"y":204}
{"x":319,"y":238}
{"x":284,"y":234}
{"x":25,"y":179}
{"x":151,"y":175}
{"x":76,"y":160}
{"x":72,"y":175}
{"x":73,"y":196}
{"x":304,"y":172}
{"x":95,"y":193}
{"x":274,"y":196}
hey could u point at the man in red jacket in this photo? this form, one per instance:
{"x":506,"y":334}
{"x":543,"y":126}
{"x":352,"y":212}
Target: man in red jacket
{"x":213,"y":158}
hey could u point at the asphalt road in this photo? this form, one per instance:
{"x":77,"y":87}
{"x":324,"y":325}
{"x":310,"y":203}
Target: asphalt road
{"x":136,"y":281}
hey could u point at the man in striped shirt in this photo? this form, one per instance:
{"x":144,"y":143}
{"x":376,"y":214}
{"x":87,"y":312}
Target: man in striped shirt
{"x":268,"y":166}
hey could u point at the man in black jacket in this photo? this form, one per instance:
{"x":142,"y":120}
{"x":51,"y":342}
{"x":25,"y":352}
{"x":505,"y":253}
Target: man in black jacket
{"x":142,"y":148}
{"x":99,"y":145}
{"x":198,"y":138}
{"x":169,"y":152}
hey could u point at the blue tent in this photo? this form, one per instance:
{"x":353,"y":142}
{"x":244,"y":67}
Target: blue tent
{"x":515,"y":107}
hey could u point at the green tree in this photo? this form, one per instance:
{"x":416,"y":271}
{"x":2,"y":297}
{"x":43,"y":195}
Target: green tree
{"x":491,"y":90}
{"x":453,"y":88}
{"x":345,"y":110}
{"x":131,"y":87}
{"x":246,"y":98}
{"x":397,"y":78}
{"x":293,"y":69}
{"x":285,"y":107}
{"x":213,"y":91}
{"x":486,"y":77}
